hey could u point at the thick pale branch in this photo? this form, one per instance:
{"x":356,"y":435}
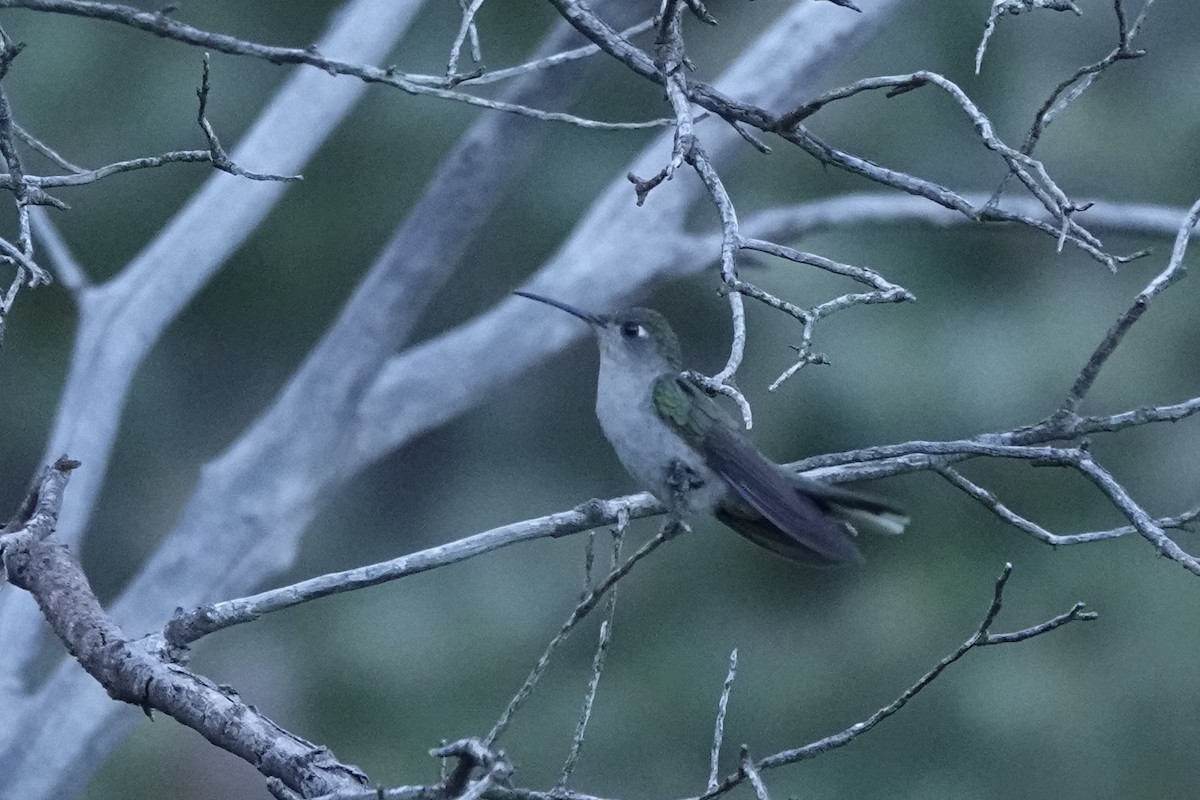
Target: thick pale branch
{"x":71,"y":275}
{"x":862,"y":208}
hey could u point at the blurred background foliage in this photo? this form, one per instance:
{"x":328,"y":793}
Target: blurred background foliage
{"x":1001,"y":326}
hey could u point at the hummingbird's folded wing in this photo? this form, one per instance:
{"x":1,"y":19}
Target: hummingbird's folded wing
{"x":796,"y":522}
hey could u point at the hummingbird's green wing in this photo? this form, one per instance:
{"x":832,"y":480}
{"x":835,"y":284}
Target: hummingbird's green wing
{"x":777,"y":514}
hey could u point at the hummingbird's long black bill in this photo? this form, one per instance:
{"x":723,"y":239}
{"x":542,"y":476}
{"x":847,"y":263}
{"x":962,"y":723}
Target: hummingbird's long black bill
{"x":591,"y":319}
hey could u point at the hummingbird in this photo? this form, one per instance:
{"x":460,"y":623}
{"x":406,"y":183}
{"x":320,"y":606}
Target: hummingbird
{"x":683,"y":447}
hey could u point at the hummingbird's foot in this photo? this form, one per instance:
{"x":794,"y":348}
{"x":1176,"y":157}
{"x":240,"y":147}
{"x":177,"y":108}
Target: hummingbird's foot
{"x":674,"y":526}
{"x":681,"y":481}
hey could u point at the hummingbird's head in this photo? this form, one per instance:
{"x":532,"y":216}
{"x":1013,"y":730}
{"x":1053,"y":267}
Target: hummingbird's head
{"x":638,"y":336}
{"x":638,"y":339}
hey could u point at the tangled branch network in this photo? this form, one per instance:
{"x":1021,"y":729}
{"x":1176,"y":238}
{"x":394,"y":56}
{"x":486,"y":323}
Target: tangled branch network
{"x":362,"y":375}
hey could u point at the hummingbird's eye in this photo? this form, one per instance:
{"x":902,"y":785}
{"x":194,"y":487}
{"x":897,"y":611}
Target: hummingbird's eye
{"x":632,"y":330}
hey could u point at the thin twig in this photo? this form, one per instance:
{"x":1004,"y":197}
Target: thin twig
{"x":714,"y":762}
{"x":465,"y":29}
{"x":598,"y":660}
{"x":747,"y":768}
{"x":669,"y":530}
{"x":993,"y":503}
{"x":1014,"y":7}
{"x":730,"y":243}
{"x":220,"y":159}
{"x":170,"y":28}
{"x":1145,"y":524}
{"x":885,"y":292}
{"x":551,"y":61}
{"x":1073,"y":87}
{"x":980,"y":638}
{"x":1031,"y":172}
{"x":44,"y":149}
{"x":20,"y":254}
{"x":1174,"y":271}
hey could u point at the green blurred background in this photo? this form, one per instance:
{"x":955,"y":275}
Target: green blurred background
{"x":1001,"y":327}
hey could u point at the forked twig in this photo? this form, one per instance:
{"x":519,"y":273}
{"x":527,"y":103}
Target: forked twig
{"x":669,"y":530}
{"x":982,"y":637}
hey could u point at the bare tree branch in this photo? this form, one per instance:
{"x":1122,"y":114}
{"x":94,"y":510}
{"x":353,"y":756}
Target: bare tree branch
{"x":1078,"y":83}
{"x":119,"y":322}
{"x":1014,"y":7}
{"x":748,"y":769}
{"x":143,"y":672}
{"x":360,"y":387}
{"x":215,"y":155}
{"x":1031,"y":172}
{"x":1175,"y":271}
{"x":991,"y":502}
{"x":598,"y":660}
{"x":493,"y":76}
{"x":466,"y":29}
{"x":167,"y":27}
{"x":980,"y":638}
{"x":670,"y":529}
{"x":719,"y":726}
{"x":475,"y":754}
{"x":44,"y":149}
{"x":231,"y":549}
{"x":854,"y":465}
{"x":186,"y":628}
{"x":19,"y":255}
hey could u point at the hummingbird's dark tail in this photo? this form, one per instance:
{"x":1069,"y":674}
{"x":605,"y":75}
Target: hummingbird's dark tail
{"x":888,"y":522}
{"x":825,"y":539}
{"x":862,"y":512}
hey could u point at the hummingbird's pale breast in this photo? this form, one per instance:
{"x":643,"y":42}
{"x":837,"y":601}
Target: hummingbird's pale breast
{"x":647,"y":447}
